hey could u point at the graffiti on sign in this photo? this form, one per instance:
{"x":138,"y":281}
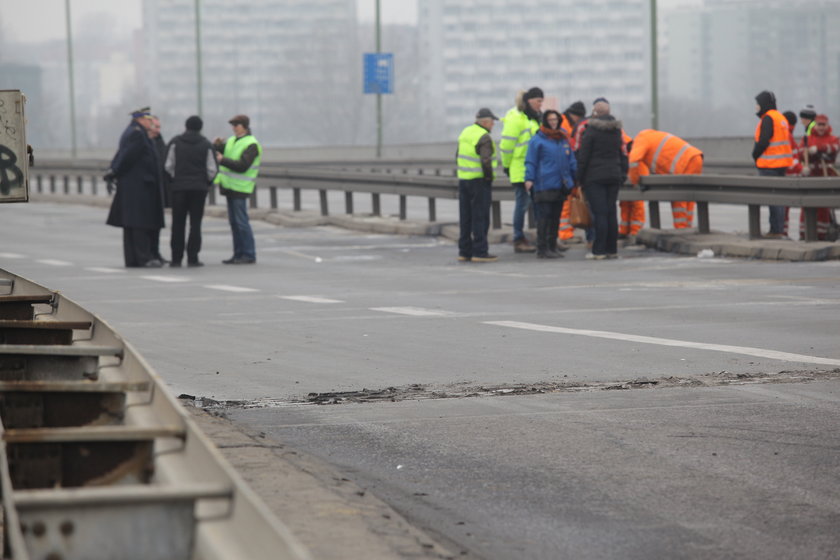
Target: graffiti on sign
{"x":14,"y":173}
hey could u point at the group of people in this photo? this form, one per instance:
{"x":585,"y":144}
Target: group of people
{"x":548,"y":155}
{"x":777,"y":153}
{"x":150,"y":174}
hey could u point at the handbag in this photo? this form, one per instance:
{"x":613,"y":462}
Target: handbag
{"x":579,"y":215}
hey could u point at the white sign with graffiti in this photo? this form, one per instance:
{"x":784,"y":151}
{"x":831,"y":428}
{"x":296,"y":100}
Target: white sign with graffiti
{"x":14,"y":160}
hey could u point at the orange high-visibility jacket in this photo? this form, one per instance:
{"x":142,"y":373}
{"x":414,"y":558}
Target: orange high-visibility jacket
{"x":660,"y":153}
{"x":778,"y":153}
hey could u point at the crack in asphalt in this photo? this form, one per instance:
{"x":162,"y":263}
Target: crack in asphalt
{"x":417,"y":391}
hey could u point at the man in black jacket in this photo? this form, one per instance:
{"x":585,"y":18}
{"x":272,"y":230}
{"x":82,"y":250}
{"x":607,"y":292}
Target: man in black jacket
{"x":191,"y":163}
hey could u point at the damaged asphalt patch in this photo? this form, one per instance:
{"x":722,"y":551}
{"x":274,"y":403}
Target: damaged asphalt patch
{"x":417,"y":391}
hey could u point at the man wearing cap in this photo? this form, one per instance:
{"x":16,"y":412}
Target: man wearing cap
{"x":521,"y":123}
{"x":239,"y":165}
{"x":191,"y":163}
{"x":137,"y":207}
{"x":476,"y":159}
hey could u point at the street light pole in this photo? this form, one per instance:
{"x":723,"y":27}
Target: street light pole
{"x":73,"y":150}
{"x":654,"y":70}
{"x":379,"y":94}
{"x":199,"y":95}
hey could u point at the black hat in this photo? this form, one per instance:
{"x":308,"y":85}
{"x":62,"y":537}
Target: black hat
{"x":808,"y":112}
{"x":599,"y":99}
{"x":241,"y":119}
{"x":533,"y":93}
{"x":577,"y":108}
{"x":194,"y":123}
{"x":791,"y":118}
{"x":485,"y":113}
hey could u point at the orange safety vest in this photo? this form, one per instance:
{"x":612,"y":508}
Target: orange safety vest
{"x":660,"y":153}
{"x":778,"y":152}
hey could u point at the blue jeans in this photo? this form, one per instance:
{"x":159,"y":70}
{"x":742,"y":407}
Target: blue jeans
{"x":602,"y":203}
{"x":240,"y":227}
{"x":474,"y":205}
{"x":523,"y":201}
{"x":777,"y":213}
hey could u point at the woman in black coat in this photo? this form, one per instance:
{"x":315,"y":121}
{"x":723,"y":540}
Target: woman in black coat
{"x":602,"y":169}
{"x":138,"y":203}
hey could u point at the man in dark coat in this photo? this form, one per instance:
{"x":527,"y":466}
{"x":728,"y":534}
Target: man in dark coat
{"x":138,"y":204}
{"x":161,"y":147}
{"x":191,"y":163}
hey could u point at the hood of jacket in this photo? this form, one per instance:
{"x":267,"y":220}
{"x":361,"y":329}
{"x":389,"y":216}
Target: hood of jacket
{"x":766,"y":101}
{"x":605,"y":123}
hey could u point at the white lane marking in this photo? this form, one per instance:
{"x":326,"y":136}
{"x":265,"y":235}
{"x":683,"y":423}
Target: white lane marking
{"x":301,"y":255}
{"x":166,"y":278}
{"x":311,"y":299}
{"x":758,"y":352}
{"x":12,"y":256}
{"x":226,"y":288}
{"x":54,"y":262}
{"x":414,"y":311}
{"x":104,"y":269}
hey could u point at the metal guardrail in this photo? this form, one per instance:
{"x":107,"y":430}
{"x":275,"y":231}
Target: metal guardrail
{"x":432,"y":183}
{"x":98,"y":461}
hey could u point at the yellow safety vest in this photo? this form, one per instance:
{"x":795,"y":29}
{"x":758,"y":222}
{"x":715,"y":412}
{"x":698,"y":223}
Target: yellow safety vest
{"x":469,"y":162}
{"x":239,"y":182}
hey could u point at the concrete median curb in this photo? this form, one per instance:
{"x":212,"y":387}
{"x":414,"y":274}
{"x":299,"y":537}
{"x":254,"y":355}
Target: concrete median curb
{"x":689,"y":242}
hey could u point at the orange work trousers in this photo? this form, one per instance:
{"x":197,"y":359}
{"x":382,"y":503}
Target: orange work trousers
{"x":683,"y":212}
{"x":632,"y":217}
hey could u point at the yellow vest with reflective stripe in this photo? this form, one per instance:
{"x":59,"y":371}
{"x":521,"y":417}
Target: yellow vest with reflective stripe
{"x":469,"y":162}
{"x":239,"y":182}
{"x":517,"y":131}
{"x":778,"y":153}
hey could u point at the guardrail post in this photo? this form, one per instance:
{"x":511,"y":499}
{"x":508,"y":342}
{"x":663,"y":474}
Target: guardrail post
{"x":324,"y":207}
{"x":273,"y":192}
{"x":810,"y":224}
{"x":253,"y":199}
{"x":94,"y":184}
{"x":653,"y":210}
{"x":66,"y":181}
{"x":39,"y":183}
{"x":703,"y":217}
{"x":374,"y":201}
{"x":755,"y":221}
{"x":348,"y":202}
{"x":432,"y":210}
{"x":296,"y":198}
{"x":79,"y":184}
{"x":497,"y":214}
{"x":402,"y":207}
{"x":52,"y":184}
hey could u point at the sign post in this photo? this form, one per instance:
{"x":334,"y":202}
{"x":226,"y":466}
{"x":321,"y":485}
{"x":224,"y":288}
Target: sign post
{"x":14,"y":160}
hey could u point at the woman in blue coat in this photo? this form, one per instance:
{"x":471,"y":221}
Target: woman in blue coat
{"x":550,"y":168}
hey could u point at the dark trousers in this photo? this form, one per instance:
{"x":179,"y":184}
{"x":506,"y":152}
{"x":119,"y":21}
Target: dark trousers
{"x":137,"y":246}
{"x":603,"y":201}
{"x":548,"y":223}
{"x":777,"y":213}
{"x":474,"y":205}
{"x":187,"y":203}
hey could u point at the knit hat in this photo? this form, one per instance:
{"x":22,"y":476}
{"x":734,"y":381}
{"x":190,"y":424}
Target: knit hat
{"x":533,"y":93}
{"x":577,"y":108}
{"x":808,"y":112}
{"x":241,"y":119}
{"x":194,"y":123}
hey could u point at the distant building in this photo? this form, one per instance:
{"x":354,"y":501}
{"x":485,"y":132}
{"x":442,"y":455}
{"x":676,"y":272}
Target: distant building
{"x":719,"y":55}
{"x":279,"y":61}
{"x":480,"y":52}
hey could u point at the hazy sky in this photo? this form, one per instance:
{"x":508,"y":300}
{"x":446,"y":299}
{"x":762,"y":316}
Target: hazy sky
{"x":39,"y":20}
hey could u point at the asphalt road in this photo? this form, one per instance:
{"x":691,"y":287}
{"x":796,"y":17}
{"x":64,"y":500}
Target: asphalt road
{"x":723,"y":445}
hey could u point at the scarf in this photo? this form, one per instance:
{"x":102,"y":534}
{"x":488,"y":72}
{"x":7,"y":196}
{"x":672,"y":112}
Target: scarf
{"x":557,"y":134}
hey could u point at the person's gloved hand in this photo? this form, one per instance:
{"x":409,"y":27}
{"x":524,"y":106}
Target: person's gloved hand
{"x":812,"y":149}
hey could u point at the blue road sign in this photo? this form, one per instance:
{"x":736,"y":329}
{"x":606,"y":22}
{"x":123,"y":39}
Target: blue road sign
{"x":379,"y":72}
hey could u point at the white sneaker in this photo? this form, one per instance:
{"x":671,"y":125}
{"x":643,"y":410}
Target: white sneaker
{"x":593,"y":257}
